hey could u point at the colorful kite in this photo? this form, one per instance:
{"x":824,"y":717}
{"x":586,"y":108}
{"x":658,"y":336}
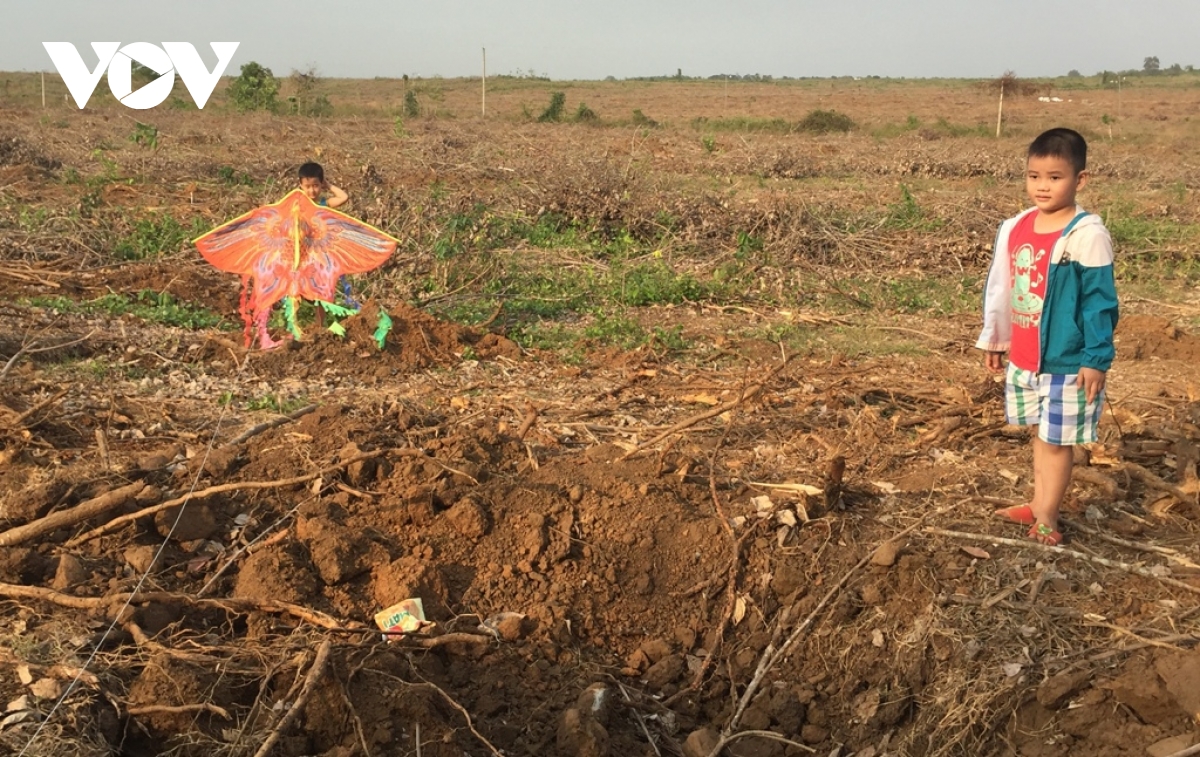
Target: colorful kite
{"x":288,"y":249}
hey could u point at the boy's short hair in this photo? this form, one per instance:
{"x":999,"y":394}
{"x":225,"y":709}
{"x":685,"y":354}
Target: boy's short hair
{"x":1067,"y":144}
{"x":312,"y":170}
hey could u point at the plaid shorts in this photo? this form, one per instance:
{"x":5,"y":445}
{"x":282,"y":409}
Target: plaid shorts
{"x":1055,"y":403}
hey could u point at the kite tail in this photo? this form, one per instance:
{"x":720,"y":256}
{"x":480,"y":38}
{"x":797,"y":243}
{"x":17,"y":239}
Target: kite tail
{"x":244,"y":311}
{"x":347,"y":295}
{"x":289,"y":315}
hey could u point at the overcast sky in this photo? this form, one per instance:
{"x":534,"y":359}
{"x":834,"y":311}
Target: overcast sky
{"x":569,"y":39}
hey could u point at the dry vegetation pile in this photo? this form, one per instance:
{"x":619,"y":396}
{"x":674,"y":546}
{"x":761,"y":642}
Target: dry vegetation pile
{"x":679,"y":440}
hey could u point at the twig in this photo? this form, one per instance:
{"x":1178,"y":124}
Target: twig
{"x":273,"y":606}
{"x":1171,"y":554}
{"x":531,"y":416}
{"x":1126,"y":632}
{"x":1031,"y":544}
{"x":1189,"y":752}
{"x":750,"y":393}
{"x":91,"y":508}
{"x":30,"y":350}
{"x":268,"y":425}
{"x":727,"y":740}
{"x":310,"y":682}
{"x":641,"y":721}
{"x":20,"y":420}
{"x":770,"y":655}
{"x":237,"y":486}
{"x":1154,"y":482}
{"x":178,"y":709}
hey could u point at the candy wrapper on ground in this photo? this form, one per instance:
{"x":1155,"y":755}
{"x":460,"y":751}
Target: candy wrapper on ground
{"x":404,"y":617}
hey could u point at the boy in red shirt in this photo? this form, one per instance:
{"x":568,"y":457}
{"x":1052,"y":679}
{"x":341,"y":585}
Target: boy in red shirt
{"x":1051,"y":303}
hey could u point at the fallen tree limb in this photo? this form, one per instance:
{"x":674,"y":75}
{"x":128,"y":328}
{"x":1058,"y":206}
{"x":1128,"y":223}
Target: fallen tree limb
{"x":115,"y":523}
{"x":84,"y":511}
{"x":1031,"y":544}
{"x":153,"y":709}
{"x":310,"y":683}
{"x":20,"y":421}
{"x":268,"y":425}
{"x":272,"y":606}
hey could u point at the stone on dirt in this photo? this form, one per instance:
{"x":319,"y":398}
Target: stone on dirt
{"x":596,"y":701}
{"x":1180,"y":672}
{"x":885,"y":555}
{"x":700,"y":743}
{"x":1054,"y":692}
{"x":196,"y":520}
{"x":140,"y":559}
{"x":664,"y":672}
{"x":469,"y":518}
{"x":1140,"y":689}
{"x":580,"y":735}
{"x":70,"y":572}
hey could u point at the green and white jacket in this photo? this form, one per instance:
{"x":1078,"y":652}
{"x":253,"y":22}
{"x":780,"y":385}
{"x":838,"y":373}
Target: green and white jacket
{"x":1080,"y":310}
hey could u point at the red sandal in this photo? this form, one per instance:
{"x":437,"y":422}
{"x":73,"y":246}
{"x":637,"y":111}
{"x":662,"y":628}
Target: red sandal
{"x":1044,"y":534}
{"x":1017,"y":514}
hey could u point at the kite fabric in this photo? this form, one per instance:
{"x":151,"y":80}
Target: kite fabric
{"x":288,"y":249}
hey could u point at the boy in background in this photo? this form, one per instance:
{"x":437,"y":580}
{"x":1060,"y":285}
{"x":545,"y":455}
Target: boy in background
{"x":1050,"y":302}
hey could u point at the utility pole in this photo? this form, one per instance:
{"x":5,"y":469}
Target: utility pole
{"x":483,"y":89}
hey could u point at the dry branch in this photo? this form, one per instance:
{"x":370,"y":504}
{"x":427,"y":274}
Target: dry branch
{"x":237,"y":486}
{"x":91,"y":508}
{"x":310,"y":682}
{"x":150,"y":709}
{"x":268,"y":425}
{"x":748,"y":394}
{"x":272,"y":606}
{"x":1031,"y":544}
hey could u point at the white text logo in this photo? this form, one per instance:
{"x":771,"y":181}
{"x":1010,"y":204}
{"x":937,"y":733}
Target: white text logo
{"x":165,"y":61}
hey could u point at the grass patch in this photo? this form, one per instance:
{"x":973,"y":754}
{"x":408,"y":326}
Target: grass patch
{"x":156,"y":236}
{"x":743,"y":124}
{"x":150,"y":306}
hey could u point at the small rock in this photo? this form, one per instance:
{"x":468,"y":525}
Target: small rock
{"x":581,"y":736}
{"x":196,"y":520}
{"x":1181,"y":674}
{"x":469,"y":518}
{"x":813,"y":734}
{"x":575,"y":495}
{"x":512,"y":626}
{"x":655,"y":649}
{"x":755,"y":718}
{"x":885,"y":555}
{"x":596,"y":702}
{"x":70,"y":573}
{"x":665,"y":671}
{"x":1054,"y":692}
{"x":140,"y":558}
{"x":700,"y":743}
{"x":1168,"y":747}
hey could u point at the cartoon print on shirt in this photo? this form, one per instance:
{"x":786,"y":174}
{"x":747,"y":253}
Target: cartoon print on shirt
{"x":1026,"y":305}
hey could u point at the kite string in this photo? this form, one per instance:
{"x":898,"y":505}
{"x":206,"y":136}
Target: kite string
{"x":140,"y":582}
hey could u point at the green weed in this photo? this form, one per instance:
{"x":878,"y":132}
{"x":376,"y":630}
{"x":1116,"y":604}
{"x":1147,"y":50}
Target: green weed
{"x":148,"y":305}
{"x":276,"y":403}
{"x":412,"y":108}
{"x":553,"y":112}
{"x":145,"y":135}
{"x":156,"y":236}
{"x":825,"y":122}
{"x":743,"y":124}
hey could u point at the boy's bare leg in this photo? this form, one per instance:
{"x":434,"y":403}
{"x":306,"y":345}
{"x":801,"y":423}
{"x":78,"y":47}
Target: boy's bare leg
{"x":1051,"y":477}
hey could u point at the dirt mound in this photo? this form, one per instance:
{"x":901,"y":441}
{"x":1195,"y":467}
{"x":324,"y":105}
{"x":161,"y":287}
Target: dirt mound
{"x":1143,"y":337}
{"x":15,"y":152}
{"x":416,"y":340}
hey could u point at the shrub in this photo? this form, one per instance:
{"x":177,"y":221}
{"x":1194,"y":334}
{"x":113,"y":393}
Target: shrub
{"x":584,"y":114}
{"x":412,"y":108}
{"x":553,"y":111}
{"x":254,"y":89}
{"x":641,"y":119}
{"x":825,"y":122}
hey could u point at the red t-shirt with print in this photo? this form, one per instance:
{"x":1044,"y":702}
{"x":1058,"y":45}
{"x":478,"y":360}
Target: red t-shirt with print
{"x":1029,"y":266}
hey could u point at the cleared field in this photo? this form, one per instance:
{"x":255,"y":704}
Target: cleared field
{"x":684,"y":384}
